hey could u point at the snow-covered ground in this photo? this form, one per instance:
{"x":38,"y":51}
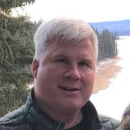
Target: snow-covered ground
{"x":113,"y":100}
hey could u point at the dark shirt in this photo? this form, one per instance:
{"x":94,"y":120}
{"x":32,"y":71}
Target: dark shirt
{"x":81,"y":126}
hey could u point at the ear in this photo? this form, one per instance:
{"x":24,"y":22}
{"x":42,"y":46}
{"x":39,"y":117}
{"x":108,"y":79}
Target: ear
{"x":34,"y":67}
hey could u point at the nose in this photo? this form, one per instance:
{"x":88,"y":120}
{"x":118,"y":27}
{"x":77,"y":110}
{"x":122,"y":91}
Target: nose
{"x":73,"y":73}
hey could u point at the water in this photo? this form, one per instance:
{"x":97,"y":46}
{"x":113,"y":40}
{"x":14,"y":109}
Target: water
{"x":113,"y":100}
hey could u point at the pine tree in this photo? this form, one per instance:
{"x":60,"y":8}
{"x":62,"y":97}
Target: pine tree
{"x":16,"y":52}
{"x":107,"y":46}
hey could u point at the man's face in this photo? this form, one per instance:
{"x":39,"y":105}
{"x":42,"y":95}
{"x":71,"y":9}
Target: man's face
{"x":64,"y":76}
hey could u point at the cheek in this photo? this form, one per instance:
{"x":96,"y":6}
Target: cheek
{"x":88,"y":84}
{"x":42,"y":75}
{"x":89,"y":77}
{"x":49,"y":73}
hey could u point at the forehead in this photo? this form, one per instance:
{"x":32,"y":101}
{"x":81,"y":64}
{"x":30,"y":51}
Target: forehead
{"x":85,"y":45}
{"x":79,"y":49}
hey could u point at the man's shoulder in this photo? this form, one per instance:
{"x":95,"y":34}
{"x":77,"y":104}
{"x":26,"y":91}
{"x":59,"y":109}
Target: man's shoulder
{"x":15,"y":117}
{"x":109,"y":122}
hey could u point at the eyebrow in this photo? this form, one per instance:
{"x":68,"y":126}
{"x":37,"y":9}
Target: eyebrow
{"x":84,"y":58}
{"x":59,"y":55}
{"x":87,"y":57}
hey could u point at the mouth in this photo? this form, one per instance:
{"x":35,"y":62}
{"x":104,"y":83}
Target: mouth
{"x":68,"y":88}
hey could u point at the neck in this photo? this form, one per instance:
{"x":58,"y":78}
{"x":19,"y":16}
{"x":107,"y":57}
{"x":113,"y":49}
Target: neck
{"x":74,"y":121}
{"x":70,"y":117}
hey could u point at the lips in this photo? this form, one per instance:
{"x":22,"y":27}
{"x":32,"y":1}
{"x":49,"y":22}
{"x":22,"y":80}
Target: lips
{"x":68,"y":88}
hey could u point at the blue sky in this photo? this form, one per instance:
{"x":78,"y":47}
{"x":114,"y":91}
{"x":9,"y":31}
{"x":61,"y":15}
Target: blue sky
{"x":89,"y":10}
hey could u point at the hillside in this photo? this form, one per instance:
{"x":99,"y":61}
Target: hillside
{"x":105,"y":71}
{"x":121,"y":28}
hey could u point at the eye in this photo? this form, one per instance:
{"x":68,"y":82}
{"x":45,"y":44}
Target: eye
{"x":62,"y":61}
{"x":83,"y":63}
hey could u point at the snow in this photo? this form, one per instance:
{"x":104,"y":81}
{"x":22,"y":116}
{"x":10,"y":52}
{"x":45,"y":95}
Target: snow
{"x":113,"y":100}
{"x":103,"y":64}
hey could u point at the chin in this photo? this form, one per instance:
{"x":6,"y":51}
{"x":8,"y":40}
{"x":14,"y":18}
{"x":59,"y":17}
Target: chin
{"x":73,"y":106}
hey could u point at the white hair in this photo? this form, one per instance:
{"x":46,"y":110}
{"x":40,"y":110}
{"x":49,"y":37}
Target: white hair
{"x":65,"y":30}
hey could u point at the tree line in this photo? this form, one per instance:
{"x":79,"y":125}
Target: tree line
{"x":107,"y":46}
{"x":17,"y":51}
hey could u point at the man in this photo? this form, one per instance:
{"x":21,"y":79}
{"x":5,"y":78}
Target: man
{"x":64,"y":66}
